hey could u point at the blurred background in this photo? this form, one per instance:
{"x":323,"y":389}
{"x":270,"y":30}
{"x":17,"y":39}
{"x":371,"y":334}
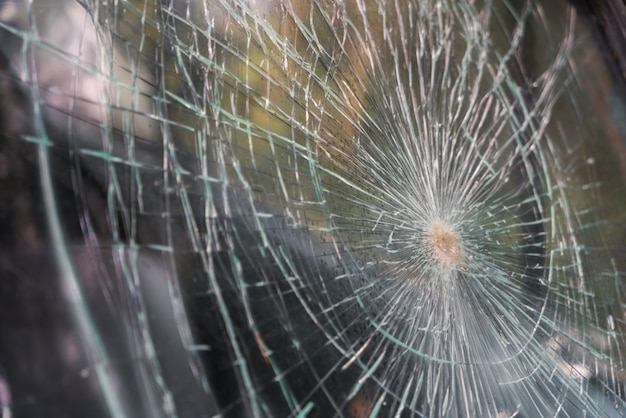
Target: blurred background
{"x":292,"y":208}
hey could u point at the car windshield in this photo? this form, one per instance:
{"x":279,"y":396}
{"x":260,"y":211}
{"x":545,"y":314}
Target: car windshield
{"x":294,"y":208}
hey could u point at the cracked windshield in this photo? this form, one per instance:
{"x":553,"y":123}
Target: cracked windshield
{"x":312,"y":208}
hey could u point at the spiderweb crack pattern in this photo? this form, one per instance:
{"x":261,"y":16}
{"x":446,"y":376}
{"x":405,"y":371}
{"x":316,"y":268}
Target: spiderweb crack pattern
{"x":318,"y":208}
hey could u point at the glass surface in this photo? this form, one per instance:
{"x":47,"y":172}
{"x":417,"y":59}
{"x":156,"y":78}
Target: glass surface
{"x":253,"y":208}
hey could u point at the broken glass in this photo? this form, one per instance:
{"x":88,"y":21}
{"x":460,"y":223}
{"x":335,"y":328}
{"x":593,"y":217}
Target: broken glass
{"x":250,"y":208}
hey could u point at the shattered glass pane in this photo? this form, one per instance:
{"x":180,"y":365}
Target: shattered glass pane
{"x":250,"y":208}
